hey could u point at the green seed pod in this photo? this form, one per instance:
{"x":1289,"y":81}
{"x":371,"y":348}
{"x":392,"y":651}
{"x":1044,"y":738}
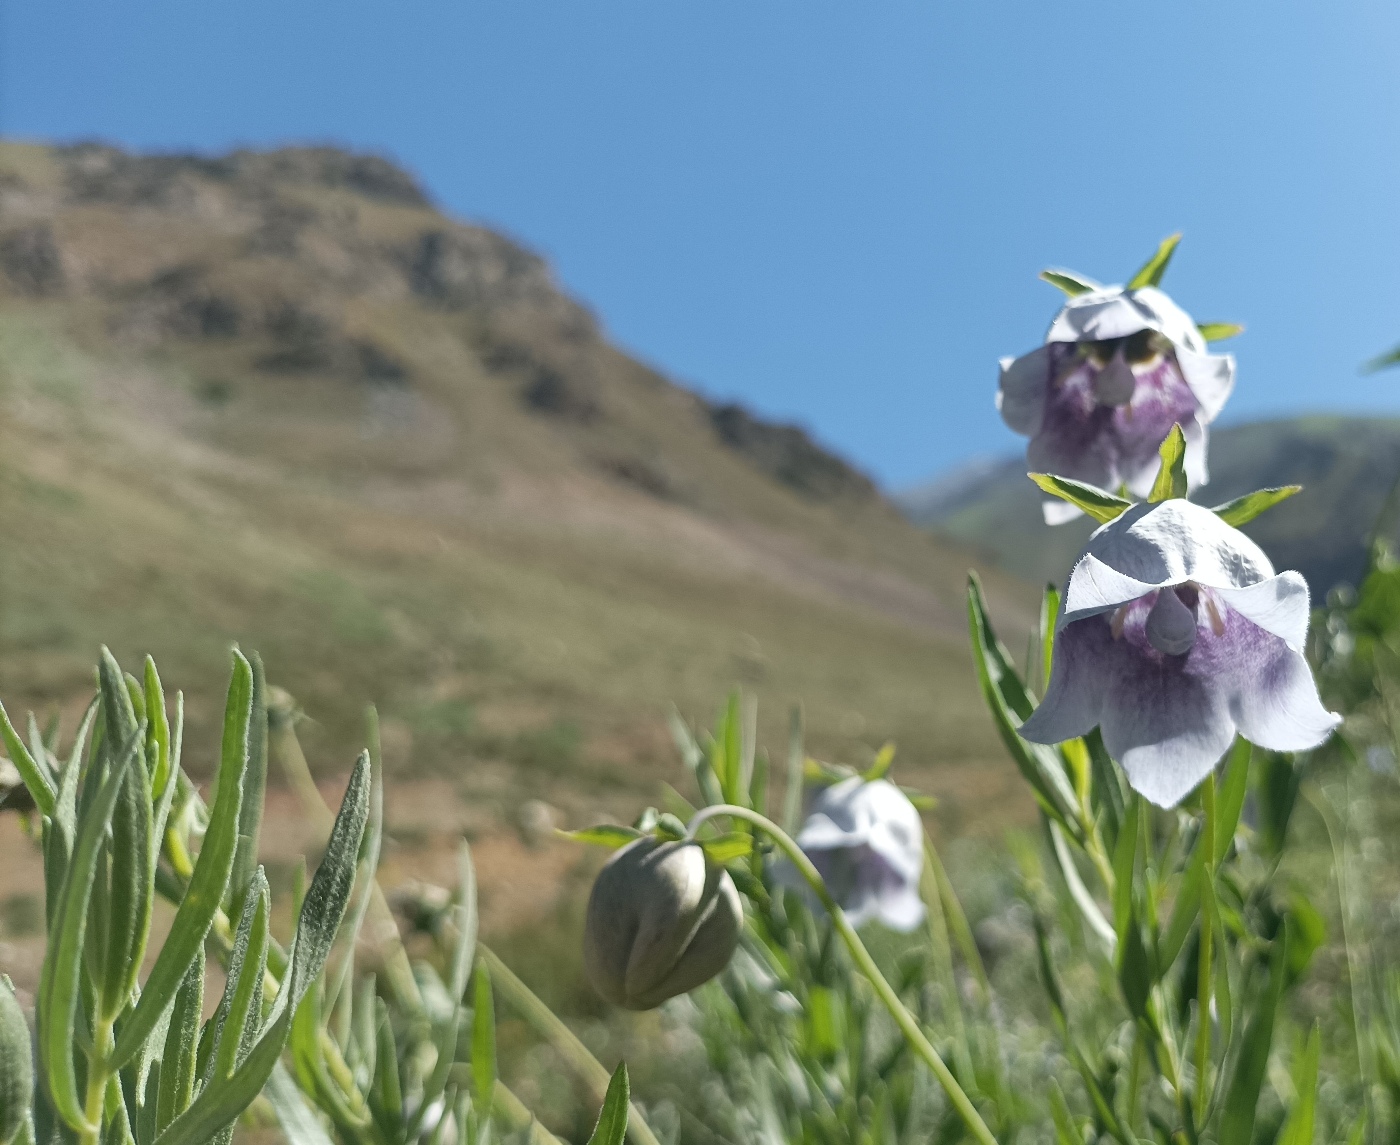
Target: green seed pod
{"x":661,"y":920}
{"x":16,"y":1065}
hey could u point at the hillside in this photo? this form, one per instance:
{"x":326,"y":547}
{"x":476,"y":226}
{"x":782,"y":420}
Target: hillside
{"x":1346,"y":466}
{"x":278,"y":398}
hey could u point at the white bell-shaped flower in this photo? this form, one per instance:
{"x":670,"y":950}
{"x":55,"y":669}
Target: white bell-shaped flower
{"x":867,"y":842}
{"x":1118,"y":369}
{"x":1176,"y":633}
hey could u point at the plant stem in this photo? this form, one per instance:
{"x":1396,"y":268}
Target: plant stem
{"x":91,"y":1133}
{"x":906,"y":1021}
{"x":1203,"y":975}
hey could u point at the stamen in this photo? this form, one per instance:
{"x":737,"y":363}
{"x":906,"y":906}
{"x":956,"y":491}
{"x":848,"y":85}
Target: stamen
{"x":1120,"y":616}
{"x":1217,"y":622}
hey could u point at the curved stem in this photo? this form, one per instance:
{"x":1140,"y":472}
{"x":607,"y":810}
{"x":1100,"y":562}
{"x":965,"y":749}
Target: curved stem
{"x":906,"y":1021}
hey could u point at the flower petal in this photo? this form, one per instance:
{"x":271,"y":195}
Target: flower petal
{"x":1211,"y":378}
{"x":1174,"y":541}
{"x":1021,"y":392}
{"x":1098,"y":315}
{"x":1278,"y":605}
{"x":1276,"y":704}
{"x":1095,"y":587}
{"x":1166,"y":316}
{"x":902,"y":911}
{"x":1074,"y":701}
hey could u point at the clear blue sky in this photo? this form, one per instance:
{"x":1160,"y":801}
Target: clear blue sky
{"x":833,"y":211}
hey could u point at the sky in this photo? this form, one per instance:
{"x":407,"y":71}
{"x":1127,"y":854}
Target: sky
{"x":832,"y":211}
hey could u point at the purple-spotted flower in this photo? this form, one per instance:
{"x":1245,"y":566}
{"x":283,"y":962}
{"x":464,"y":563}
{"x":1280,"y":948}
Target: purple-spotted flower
{"x":866,"y":840}
{"x":1176,"y":633}
{"x":1119,"y":368}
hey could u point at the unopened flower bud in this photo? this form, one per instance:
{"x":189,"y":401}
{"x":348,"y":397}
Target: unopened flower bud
{"x":662,"y":920}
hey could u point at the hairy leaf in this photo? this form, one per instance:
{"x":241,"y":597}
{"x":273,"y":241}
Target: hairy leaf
{"x":207,"y":885}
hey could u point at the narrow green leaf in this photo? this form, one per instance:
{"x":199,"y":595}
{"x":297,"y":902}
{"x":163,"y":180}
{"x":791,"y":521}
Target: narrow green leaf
{"x":1124,"y":867}
{"x":484,"y":1041}
{"x":240,"y":1010}
{"x":611,"y":1128}
{"x":366,"y":884}
{"x":1049,"y":616}
{"x":1150,"y":273}
{"x":796,"y":755}
{"x":1232,"y":797}
{"x":321,"y":912}
{"x":35,"y":776}
{"x":884,"y":758}
{"x":1185,"y":910}
{"x":1066,"y":280}
{"x":157,"y":729}
{"x":1066,"y":1132}
{"x":1171,"y":477}
{"x":1219,"y":331}
{"x":464,"y":953}
{"x":60,"y":985}
{"x":250,"y":810}
{"x":608,"y":835}
{"x":387,"y":1093}
{"x":16,"y":1066}
{"x":1244,"y":509}
{"x":727,"y":752}
{"x":298,"y":1123}
{"x":1298,"y":1129}
{"x":1242,"y":1098}
{"x":1009,"y":704}
{"x":210,"y":879}
{"x":1382,"y":361}
{"x":726,"y":848}
{"x":1099,"y":504}
{"x":175,"y":1089}
{"x":1088,"y":908}
{"x":132,"y":891}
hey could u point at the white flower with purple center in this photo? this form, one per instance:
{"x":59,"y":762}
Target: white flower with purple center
{"x":1119,"y":368}
{"x":867,"y":841}
{"x":1177,"y":633}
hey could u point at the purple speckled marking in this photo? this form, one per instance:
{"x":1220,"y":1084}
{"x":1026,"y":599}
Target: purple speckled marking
{"x":1168,"y":693}
{"x":1102,"y":445}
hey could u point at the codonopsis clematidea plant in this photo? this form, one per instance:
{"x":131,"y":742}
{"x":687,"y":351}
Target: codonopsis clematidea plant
{"x":120,"y":1060}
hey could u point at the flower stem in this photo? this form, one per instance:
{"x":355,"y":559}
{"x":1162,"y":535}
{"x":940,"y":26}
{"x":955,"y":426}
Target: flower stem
{"x":906,"y":1021}
{"x":91,"y":1133}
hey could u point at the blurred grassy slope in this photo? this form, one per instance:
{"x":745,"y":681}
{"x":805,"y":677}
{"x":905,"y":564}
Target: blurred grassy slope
{"x":278,"y":399}
{"x":1346,"y":465}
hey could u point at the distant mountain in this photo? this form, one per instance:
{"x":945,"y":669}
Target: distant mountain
{"x":1346,"y":465}
{"x":279,"y":398}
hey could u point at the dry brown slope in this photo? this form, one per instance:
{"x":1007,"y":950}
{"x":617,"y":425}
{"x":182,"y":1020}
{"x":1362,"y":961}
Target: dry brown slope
{"x":278,"y":398}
